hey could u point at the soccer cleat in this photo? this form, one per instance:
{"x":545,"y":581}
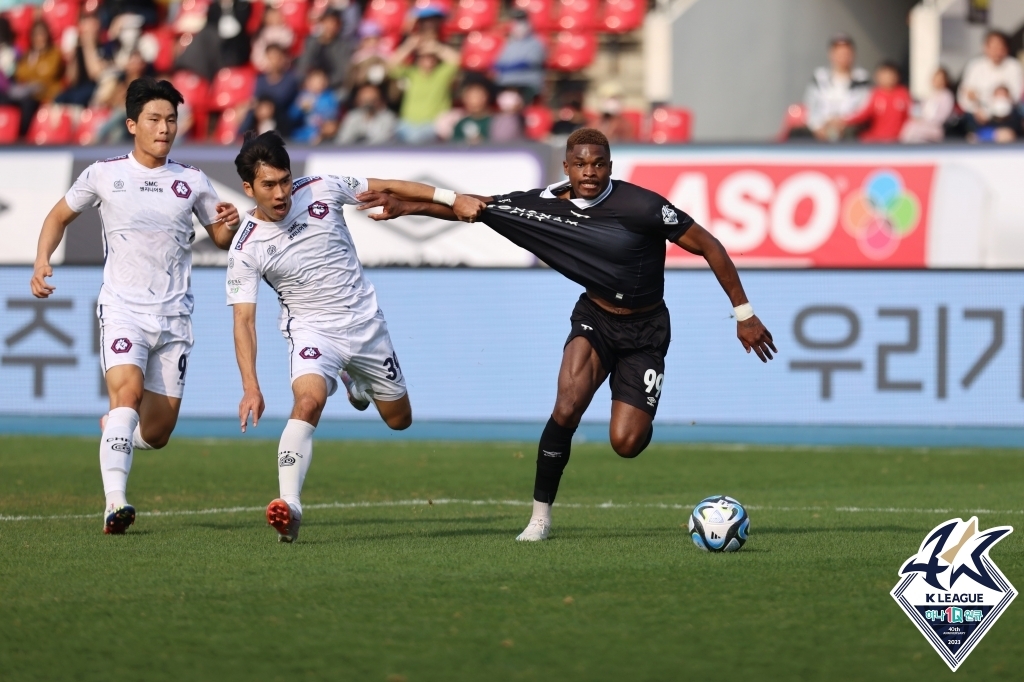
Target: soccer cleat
{"x":118,"y":520}
{"x":537,"y":530}
{"x":360,"y":405}
{"x":285,"y":519}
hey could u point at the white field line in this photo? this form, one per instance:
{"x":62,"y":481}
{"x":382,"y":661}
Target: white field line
{"x":515,"y":503}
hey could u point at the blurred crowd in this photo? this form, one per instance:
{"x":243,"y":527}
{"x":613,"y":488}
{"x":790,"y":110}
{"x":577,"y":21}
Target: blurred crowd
{"x":845,"y":102}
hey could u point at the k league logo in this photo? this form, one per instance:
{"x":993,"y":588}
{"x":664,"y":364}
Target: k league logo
{"x":951,"y":590}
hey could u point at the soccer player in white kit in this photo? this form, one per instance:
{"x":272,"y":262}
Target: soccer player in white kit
{"x":146,"y":203}
{"x":297,"y":241}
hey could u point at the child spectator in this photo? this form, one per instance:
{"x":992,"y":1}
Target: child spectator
{"x":428,"y":84}
{"x":887,"y":108}
{"x":274,"y":31}
{"x":314,"y":114}
{"x":369,"y":121}
{"x":507,"y":124}
{"x":475,"y":126}
{"x":265,"y":116}
{"x":279,"y":84}
{"x":927,"y":126}
{"x":999,"y":121}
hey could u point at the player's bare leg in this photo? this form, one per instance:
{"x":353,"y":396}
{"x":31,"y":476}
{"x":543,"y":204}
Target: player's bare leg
{"x":630,"y":430}
{"x":295,"y":453}
{"x":124,"y":385}
{"x":579,"y":377}
{"x":397,"y":414}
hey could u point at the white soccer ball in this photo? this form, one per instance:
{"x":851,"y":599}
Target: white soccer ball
{"x":719,"y":524}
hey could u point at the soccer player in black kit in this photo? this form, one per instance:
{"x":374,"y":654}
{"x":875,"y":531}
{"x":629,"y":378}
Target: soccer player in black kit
{"x":609,"y":236}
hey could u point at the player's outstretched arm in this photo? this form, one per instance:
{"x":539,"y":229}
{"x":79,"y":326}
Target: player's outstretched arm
{"x":467,"y":207}
{"x":245,"y":353}
{"x":751,"y":333}
{"x":56,"y":222}
{"x":223,"y":230}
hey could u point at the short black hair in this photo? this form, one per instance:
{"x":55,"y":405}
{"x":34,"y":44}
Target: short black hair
{"x":587,"y":136}
{"x":147,"y":89}
{"x":995,"y":33}
{"x":257,"y":150}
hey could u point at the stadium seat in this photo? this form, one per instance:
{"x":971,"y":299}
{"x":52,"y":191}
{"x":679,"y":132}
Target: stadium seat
{"x":60,"y":15}
{"x":540,"y":12}
{"x":577,"y":15}
{"x":795,"y":117}
{"x":10,"y":119}
{"x":196,"y":92}
{"x":636,"y":118}
{"x":21,"y":19}
{"x":232,"y":87}
{"x":473,"y":15}
{"x":572,"y":51}
{"x":191,"y":17}
{"x":623,"y":16}
{"x":226,"y":131}
{"x":296,"y":15}
{"x":539,"y":120}
{"x":389,"y":14}
{"x":51,"y":125}
{"x":670,"y":124}
{"x":89,"y":124}
{"x":480,"y":50}
{"x":166,"y":43}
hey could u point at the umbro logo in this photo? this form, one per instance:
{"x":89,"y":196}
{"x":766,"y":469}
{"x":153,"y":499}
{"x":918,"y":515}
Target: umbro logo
{"x":578,"y":215}
{"x":285,"y":461}
{"x":586,"y":327}
{"x":550,"y":453}
{"x":652,"y":401}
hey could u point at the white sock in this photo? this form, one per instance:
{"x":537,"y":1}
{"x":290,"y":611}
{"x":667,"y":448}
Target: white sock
{"x":116,"y":454}
{"x":294,"y":455}
{"x":542,"y":510}
{"x":137,"y":442}
{"x":358,"y":391}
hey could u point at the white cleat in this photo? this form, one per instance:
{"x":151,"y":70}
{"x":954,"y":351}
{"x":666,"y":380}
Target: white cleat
{"x":537,"y":530}
{"x":360,"y":405}
{"x":285,"y":519}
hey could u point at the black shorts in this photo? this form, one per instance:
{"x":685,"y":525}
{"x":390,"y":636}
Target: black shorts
{"x":632,"y":349}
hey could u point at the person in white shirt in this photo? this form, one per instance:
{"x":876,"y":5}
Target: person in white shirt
{"x":927,"y":123}
{"x":296,"y":240}
{"x":146,"y":203}
{"x":836,"y":92}
{"x":984,"y":74}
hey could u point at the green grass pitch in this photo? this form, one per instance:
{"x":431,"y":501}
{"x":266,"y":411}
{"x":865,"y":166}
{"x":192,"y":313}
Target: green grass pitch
{"x":416,"y":591}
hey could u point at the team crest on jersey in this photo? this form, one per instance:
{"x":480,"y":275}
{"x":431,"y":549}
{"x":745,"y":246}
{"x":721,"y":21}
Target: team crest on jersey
{"x":951,"y":590}
{"x":121,"y":345}
{"x":668,"y":215}
{"x":181,"y":188}
{"x":310,"y":353}
{"x":318,"y":209}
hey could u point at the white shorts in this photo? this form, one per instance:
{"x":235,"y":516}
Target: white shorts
{"x":363,"y":350}
{"x":159,"y":345}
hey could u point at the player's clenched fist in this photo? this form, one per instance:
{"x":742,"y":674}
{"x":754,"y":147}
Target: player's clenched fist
{"x":40,"y":287}
{"x":468,"y":208}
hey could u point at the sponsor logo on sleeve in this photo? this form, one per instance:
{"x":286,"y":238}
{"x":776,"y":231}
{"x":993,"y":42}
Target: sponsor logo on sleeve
{"x":244,"y":235}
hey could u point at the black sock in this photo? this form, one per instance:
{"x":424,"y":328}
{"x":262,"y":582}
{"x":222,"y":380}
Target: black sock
{"x":552,"y":456}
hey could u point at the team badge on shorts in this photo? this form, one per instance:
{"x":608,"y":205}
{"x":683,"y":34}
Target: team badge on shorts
{"x":318,"y":209}
{"x":121,"y":346}
{"x":951,"y":589}
{"x":310,"y":353}
{"x":181,"y":189}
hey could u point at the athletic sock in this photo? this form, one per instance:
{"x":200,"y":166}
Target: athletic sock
{"x":116,"y":454}
{"x":294,"y":455}
{"x":542,"y":510}
{"x":552,"y":456}
{"x":137,"y":442}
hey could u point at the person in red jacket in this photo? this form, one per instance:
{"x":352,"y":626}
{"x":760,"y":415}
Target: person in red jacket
{"x":887,"y":109}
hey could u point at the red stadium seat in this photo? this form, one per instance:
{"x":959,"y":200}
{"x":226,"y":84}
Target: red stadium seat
{"x":226,"y":131}
{"x":540,"y":13}
{"x":196,"y":92}
{"x":89,"y":124}
{"x":572,"y":51}
{"x":192,"y":16}
{"x":577,"y":15}
{"x":231,"y":87}
{"x":21,"y":19}
{"x":60,"y":15}
{"x":167,"y":43}
{"x":10,"y":119}
{"x":539,"y":120}
{"x":481,"y":50}
{"x":623,"y":16}
{"x":670,"y":124}
{"x":296,"y":15}
{"x":473,"y":15}
{"x":636,"y":119}
{"x":51,"y":125}
{"x":389,"y":14}
{"x":795,"y":117}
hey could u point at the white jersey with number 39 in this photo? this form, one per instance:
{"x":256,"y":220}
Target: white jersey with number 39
{"x":308,"y":258}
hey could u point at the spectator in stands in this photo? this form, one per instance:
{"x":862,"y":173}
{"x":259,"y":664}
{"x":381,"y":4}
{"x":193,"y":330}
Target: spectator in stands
{"x":86,"y":63}
{"x":428,"y":84}
{"x":886,"y":110}
{"x":369,"y":121}
{"x":314,"y":114}
{"x":8,"y":53}
{"x":110,"y":94}
{"x":202,"y":56}
{"x":328,"y":50}
{"x":235,"y":46}
{"x":928,"y":124}
{"x":507,"y":125}
{"x":428,"y":22}
{"x":615,"y":126}
{"x":475,"y":126}
{"x":1000,"y":121}
{"x":520,"y":63}
{"x":145,"y":10}
{"x":570,"y":116}
{"x":274,"y":31}
{"x":984,"y":74}
{"x":37,"y":75}
{"x":264,"y":115}
{"x":279,"y":84}
{"x":835,"y":92}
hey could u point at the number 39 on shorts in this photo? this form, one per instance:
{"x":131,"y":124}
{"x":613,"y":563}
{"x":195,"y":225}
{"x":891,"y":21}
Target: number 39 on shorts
{"x":654,"y":381}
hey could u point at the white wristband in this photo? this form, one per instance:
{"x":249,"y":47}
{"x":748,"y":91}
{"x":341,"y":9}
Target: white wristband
{"x":444,"y":196}
{"x":743,"y":312}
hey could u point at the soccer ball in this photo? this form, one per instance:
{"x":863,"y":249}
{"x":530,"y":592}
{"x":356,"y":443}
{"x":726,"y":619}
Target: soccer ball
{"x":719,"y":524}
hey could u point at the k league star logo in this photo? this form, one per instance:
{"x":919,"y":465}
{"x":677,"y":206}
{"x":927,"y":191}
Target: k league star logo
{"x":318,"y":209}
{"x":951,"y":590}
{"x":309,"y":353}
{"x":181,"y":188}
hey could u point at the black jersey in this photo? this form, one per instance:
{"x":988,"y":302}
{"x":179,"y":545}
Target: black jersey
{"x":614,"y":245}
